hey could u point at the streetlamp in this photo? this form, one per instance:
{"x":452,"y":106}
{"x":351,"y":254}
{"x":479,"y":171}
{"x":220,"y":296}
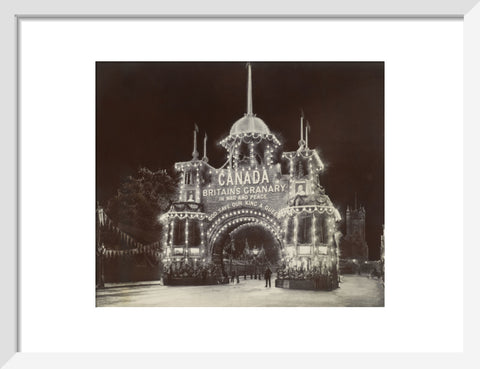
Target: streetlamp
{"x":230,"y":253}
{"x":245,"y":263}
{"x":101,"y":252}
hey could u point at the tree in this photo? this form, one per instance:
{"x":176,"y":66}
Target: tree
{"x":140,"y":201}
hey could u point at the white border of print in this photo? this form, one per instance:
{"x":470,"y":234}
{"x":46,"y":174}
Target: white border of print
{"x":57,"y":122}
{"x":8,"y":252}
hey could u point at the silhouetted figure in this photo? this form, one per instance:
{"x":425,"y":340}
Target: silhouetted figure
{"x":268,"y":274}
{"x":234,"y":275}
{"x":317,"y":280}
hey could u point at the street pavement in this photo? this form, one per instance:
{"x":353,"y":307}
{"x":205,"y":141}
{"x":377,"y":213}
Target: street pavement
{"x":354,"y":290}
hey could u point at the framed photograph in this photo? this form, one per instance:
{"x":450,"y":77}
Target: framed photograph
{"x":300,"y":188}
{"x":83,"y":125}
{"x":191,"y":195}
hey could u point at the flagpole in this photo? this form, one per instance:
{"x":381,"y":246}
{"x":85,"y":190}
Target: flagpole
{"x":231,"y":256}
{"x":99,"y":250}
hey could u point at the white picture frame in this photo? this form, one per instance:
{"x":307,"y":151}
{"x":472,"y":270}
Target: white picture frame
{"x":12,"y":11}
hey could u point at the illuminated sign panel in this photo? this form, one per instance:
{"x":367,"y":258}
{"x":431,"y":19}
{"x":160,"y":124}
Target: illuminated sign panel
{"x":178,"y":251}
{"x":304,"y":250}
{"x":322,"y":250}
{"x":243,"y":185}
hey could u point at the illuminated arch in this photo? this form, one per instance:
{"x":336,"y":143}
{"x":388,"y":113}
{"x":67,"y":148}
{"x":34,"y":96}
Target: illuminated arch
{"x":230,"y":220}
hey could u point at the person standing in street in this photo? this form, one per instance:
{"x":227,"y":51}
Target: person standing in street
{"x":268,"y":274}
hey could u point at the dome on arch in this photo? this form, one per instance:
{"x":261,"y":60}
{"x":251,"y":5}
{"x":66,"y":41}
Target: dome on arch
{"x":249,"y":124}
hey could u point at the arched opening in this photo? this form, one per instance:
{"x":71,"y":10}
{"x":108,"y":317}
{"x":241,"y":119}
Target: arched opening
{"x":251,"y":239}
{"x":246,"y":242}
{"x":247,"y":249}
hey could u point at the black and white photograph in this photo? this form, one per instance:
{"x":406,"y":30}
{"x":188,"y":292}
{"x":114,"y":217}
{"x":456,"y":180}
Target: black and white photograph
{"x":227,"y":173}
{"x":239,"y":184}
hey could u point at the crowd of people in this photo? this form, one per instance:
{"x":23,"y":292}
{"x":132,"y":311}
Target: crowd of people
{"x":321,"y":276}
{"x":267,"y":274}
{"x":299,"y":272}
{"x":208,"y":271}
{"x":186,"y":270}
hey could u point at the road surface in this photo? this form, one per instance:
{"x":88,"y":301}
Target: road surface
{"x":354,"y":291}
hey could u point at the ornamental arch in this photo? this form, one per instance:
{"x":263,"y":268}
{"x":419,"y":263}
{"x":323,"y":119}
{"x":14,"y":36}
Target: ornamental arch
{"x":251,"y":189}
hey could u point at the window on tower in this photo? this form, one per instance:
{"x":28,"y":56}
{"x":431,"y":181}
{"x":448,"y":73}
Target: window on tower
{"x":188,"y":178}
{"x":322,"y":229}
{"x":179,"y":232}
{"x":305,"y":229}
{"x":194,"y":233}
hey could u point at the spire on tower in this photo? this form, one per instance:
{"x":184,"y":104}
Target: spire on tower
{"x":301,"y":127}
{"x":301,"y":143}
{"x":205,"y":158}
{"x":307,"y":130}
{"x":249,"y":91}
{"x":195,"y":152}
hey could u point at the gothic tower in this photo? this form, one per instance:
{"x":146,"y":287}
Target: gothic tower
{"x":354,"y":245}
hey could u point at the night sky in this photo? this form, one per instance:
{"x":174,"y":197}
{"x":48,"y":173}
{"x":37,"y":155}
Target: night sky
{"x":145,"y":114}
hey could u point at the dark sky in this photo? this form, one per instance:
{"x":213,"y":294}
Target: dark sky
{"x":145,"y":114}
